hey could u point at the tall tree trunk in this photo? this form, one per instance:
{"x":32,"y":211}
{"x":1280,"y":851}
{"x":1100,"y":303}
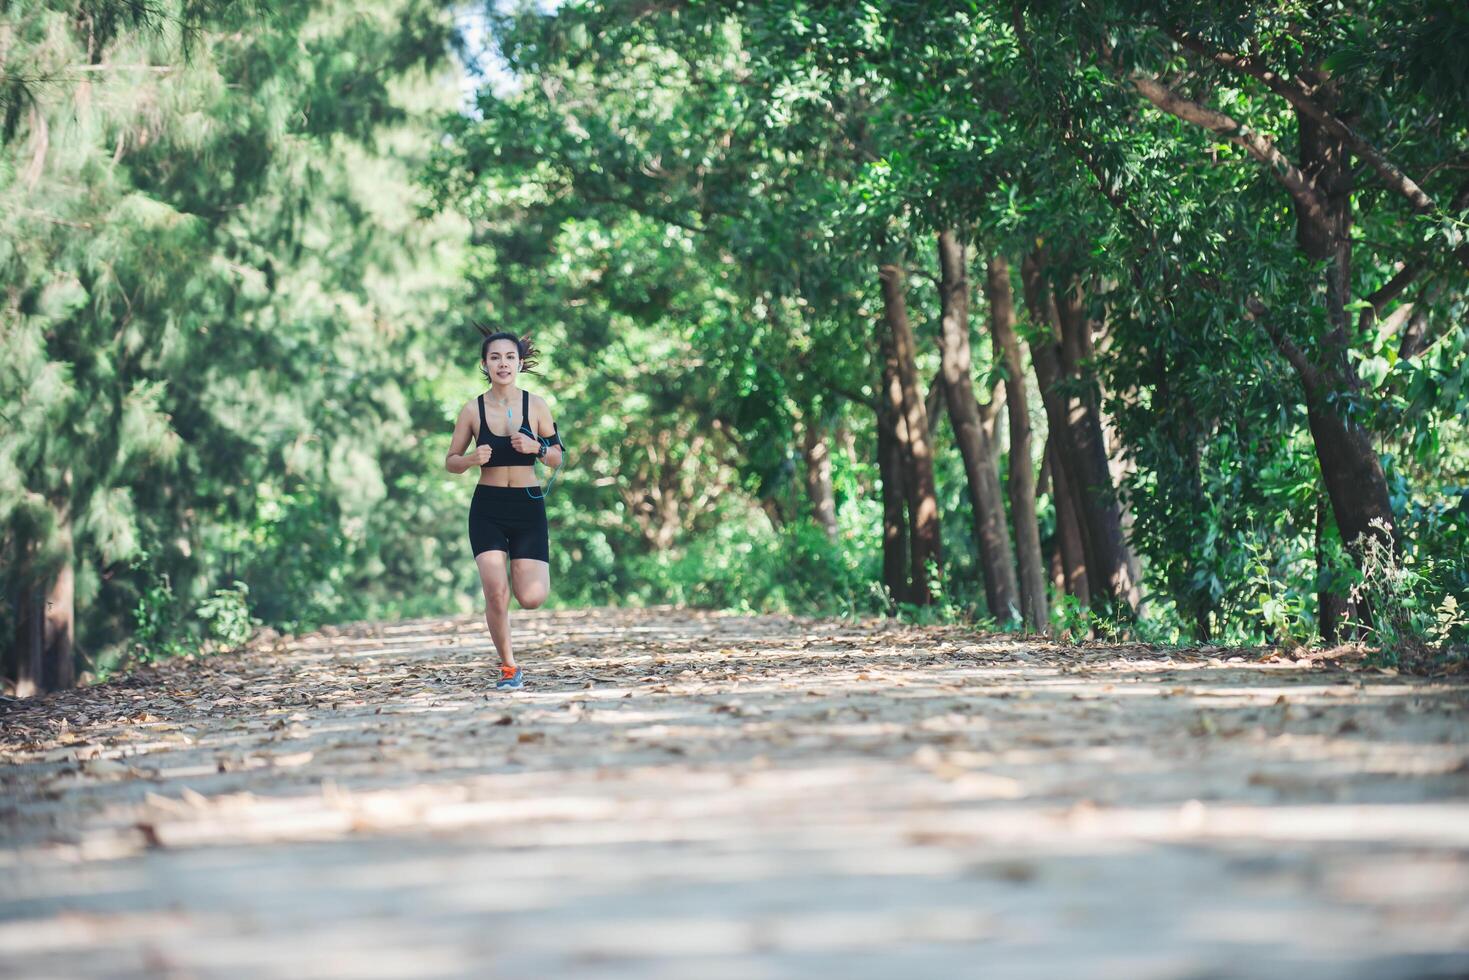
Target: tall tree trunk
{"x":989,"y":449}
{"x":818,"y":479}
{"x":980,"y":455}
{"x":45,"y":620}
{"x":1078,"y":438}
{"x":60,"y":617}
{"x":1326,"y":235}
{"x":1045,"y":356}
{"x":1022,"y":475}
{"x":1331,"y":605}
{"x":893,"y":470}
{"x":1043,"y":486}
{"x":846,"y":440}
{"x":923,"y":508}
{"x":28,"y":662}
{"x":1120,"y":468}
{"x":1070,"y":540}
{"x":933,"y":405}
{"x":1350,"y":467}
{"x":1118,"y":564}
{"x":1351,"y":470}
{"x":1320,"y":190}
{"x":916,"y":570}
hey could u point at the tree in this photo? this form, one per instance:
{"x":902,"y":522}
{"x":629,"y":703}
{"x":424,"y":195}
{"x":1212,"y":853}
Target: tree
{"x":193,"y":305}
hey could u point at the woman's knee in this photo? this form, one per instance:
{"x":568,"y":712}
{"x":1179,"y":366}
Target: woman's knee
{"x":497,"y":592}
{"x":531,"y":596}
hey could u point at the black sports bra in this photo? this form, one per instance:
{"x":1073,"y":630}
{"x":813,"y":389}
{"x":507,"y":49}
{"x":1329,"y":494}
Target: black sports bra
{"x":502,"y":453}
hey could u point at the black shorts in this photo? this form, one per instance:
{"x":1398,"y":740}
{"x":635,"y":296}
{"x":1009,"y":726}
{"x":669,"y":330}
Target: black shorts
{"x":509,"y":519}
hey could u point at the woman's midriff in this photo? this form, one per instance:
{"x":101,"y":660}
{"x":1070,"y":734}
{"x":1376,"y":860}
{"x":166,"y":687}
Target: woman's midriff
{"x":508,"y":476}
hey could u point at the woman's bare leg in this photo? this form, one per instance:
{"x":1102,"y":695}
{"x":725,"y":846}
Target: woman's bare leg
{"x":497,"y":601}
{"x":532,"y":581}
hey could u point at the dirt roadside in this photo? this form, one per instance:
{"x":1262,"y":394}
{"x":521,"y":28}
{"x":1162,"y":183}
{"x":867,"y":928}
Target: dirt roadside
{"x":683,"y":794}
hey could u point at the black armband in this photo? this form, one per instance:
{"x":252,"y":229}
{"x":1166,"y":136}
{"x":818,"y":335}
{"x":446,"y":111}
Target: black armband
{"x":546,"y":444}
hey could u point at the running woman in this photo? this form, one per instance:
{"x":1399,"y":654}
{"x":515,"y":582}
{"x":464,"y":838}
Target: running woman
{"x":509,"y":429}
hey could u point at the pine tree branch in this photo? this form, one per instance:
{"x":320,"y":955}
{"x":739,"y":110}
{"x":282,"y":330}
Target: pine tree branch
{"x":156,"y":69}
{"x":66,"y":74}
{"x":43,"y":216}
{"x":1297,"y":184}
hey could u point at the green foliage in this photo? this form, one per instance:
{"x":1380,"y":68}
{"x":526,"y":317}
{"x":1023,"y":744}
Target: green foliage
{"x":748,"y":569}
{"x":220,"y":307}
{"x":1071,"y":619}
{"x":945,"y":609}
{"x":755,"y":161}
{"x":1411,"y":621}
{"x":164,"y":625}
{"x":159,"y":628}
{"x":1284,"y":611}
{"x":226,"y":616}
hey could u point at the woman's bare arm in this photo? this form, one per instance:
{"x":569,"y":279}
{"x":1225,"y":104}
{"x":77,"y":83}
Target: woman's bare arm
{"x":456,"y":461}
{"x":546,"y":427}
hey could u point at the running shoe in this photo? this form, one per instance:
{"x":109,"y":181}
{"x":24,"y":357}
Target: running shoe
{"x":511,"y":679}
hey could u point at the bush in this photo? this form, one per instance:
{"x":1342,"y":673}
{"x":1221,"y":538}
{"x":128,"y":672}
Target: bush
{"x":164,"y":627}
{"x":798,"y":570}
{"x":1414,"y":622}
{"x":226,"y":616}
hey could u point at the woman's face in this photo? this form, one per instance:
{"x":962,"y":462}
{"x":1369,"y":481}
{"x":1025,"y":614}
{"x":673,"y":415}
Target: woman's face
{"x":502,"y":361}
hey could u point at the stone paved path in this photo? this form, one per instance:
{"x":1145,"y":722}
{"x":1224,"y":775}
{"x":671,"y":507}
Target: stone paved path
{"x":685,"y":795}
